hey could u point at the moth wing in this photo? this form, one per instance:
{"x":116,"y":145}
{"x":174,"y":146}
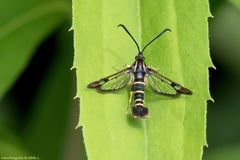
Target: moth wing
{"x":164,"y":85}
{"x":115,"y":81}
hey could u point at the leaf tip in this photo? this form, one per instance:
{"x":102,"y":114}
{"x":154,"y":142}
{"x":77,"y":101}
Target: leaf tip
{"x":211,"y":99}
{"x":70,"y":29}
{"x":73,"y":68}
{"x":78,"y":126}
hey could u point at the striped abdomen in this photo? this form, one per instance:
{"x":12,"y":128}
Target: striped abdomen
{"x":138,"y":110}
{"x":138,"y":93}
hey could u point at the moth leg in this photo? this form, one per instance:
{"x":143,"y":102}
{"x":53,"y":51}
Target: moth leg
{"x":156,"y":69}
{"x":130,"y":101}
{"x":120,"y":67}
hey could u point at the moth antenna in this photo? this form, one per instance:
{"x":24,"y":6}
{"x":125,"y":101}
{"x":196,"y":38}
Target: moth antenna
{"x":160,"y":34}
{"x":121,"y":25}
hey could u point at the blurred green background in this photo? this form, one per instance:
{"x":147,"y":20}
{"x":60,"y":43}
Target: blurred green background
{"x":37,"y":112}
{"x":223,"y":121}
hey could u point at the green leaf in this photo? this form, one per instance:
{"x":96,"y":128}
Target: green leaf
{"x":176,"y":128}
{"x":22,"y":28}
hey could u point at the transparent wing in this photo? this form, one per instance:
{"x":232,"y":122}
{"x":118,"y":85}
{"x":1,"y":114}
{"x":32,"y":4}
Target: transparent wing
{"x":117,"y":82}
{"x":114,"y":81}
{"x":163,"y":85}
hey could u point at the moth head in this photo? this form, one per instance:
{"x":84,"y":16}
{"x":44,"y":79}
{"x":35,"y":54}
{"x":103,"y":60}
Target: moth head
{"x":139,"y":56}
